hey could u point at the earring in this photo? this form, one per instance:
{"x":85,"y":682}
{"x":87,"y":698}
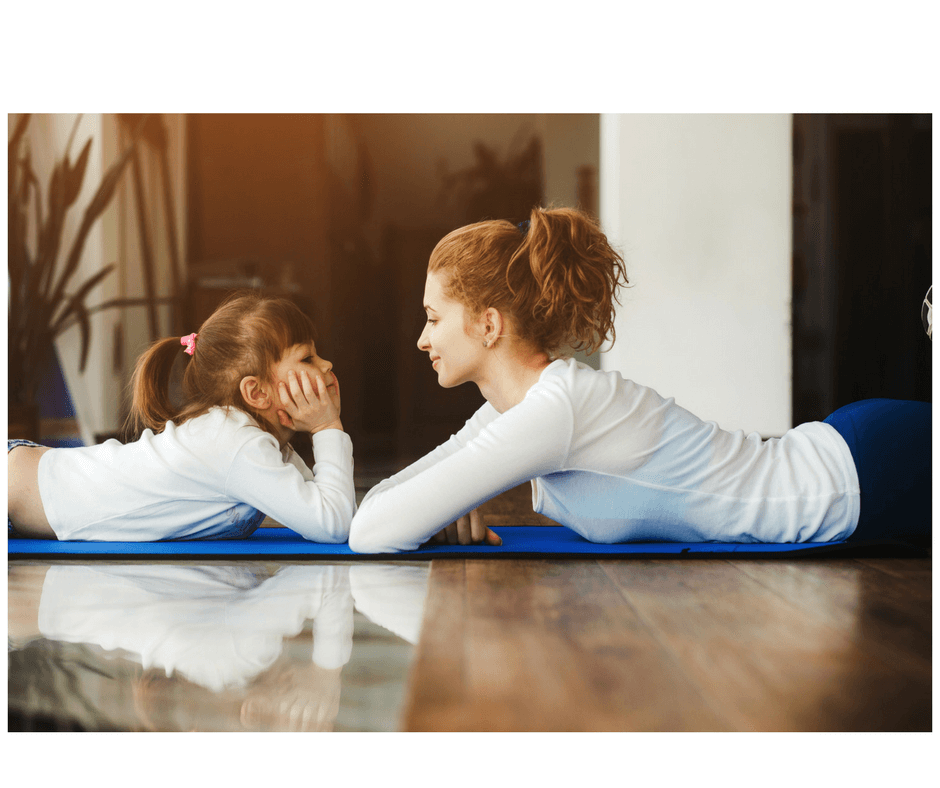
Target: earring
{"x":486,"y":343}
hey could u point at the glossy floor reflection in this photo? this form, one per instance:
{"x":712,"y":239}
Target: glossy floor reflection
{"x":236,"y":646}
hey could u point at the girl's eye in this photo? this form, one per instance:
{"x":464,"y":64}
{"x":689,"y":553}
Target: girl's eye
{"x":431,"y":322}
{"x":308,"y":360}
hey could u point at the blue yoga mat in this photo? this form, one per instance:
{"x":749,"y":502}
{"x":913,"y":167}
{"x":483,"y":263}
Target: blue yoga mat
{"x":518,"y":542}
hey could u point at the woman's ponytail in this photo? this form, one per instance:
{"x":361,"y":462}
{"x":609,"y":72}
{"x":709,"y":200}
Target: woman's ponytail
{"x":556,"y":275}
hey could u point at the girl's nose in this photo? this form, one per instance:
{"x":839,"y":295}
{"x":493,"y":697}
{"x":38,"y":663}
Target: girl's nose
{"x":423,"y":343}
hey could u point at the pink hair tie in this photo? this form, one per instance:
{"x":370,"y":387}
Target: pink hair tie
{"x":190,"y":343}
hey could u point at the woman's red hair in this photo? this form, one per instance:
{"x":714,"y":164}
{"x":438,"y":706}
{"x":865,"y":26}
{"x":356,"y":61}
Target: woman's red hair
{"x":557,"y":280}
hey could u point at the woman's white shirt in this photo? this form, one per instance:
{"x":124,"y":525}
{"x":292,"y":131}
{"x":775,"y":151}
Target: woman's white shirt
{"x":614,"y":461}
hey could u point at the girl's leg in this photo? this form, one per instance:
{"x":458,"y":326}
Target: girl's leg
{"x":23,"y":502}
{"x":890,"y":441}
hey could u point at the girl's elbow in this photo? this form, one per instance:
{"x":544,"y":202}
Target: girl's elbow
{"x":338,"y":536}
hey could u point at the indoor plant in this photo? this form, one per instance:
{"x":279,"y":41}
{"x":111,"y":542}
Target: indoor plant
{"x":42,"y":302}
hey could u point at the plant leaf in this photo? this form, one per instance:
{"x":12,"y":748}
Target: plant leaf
{"x":74,"y":176}
{"x":79,"y":297}
{"x":18,"y":132}
{"x":84,"y":325}
{"x":118,"y":302}
{"x":94,"y":209}
{"x":50,"y":237}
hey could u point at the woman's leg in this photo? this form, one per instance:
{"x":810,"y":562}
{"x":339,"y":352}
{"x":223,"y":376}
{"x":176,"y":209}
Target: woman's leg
{"x":24,"y":506}
{"x":890,"y":441}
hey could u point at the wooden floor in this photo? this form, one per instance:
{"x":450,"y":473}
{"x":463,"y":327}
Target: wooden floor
{"x":678,"y":644}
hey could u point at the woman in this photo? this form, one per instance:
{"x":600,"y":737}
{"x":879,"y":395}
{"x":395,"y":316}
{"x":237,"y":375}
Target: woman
{"x":611,"y":459}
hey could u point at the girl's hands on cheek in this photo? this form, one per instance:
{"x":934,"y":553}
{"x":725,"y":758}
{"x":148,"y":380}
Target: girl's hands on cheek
{"x":306,"y":405}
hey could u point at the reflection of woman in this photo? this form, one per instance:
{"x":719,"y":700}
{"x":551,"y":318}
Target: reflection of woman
{"x":611,"y":459}
{"x":391,"y":596}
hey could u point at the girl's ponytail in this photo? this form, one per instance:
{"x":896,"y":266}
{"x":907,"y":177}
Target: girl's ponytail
{"x":151,"y":405}
{"x":246,"y":335}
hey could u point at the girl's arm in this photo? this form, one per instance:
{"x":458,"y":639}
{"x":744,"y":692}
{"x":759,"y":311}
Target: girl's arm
{"x":318,"y":504}
{"x":492,"y":454}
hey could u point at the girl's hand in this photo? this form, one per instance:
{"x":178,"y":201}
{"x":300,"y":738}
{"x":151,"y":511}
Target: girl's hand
{"x":468,"y":529}
{"x":307,"y":405}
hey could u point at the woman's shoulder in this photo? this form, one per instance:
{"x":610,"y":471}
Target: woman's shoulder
{"x":590,"y":390}
{"x":573,"y":376}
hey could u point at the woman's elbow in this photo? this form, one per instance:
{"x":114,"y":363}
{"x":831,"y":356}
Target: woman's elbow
{"x":361,"y":541}
{"x":368,"y":537}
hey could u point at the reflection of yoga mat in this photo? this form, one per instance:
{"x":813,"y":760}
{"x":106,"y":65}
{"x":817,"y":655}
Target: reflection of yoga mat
{"x":518,"y":542}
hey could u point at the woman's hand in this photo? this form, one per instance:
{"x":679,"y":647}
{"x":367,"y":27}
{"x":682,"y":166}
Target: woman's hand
{"x":468,"y":529}
{"x":308,"y":406}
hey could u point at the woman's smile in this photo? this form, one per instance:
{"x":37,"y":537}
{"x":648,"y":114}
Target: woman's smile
{"x":446,"y":333}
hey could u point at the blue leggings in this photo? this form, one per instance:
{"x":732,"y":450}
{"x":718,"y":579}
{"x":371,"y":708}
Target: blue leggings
{"x":890,"y":441}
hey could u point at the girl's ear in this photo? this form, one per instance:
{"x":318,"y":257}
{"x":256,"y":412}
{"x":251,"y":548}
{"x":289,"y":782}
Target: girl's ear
{"x":254,"y":393}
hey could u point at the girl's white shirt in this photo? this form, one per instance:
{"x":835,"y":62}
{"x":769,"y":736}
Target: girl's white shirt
{"x":218,"y":626}
{"x":616,"y":462}
{"x":213,"y":477}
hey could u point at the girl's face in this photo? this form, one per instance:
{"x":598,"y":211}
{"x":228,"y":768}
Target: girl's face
{"x":304,"y":357}
{"x":456,"y":354}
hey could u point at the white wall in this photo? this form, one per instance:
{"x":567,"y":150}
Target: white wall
{"x":700,"y":207}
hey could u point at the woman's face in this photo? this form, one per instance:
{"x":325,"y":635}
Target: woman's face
{"x":456,"y":354}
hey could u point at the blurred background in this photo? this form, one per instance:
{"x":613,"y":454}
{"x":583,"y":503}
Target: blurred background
{"x":778,"y":262}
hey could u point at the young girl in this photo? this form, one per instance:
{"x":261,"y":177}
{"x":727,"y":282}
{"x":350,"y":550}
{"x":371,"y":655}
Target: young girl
{"x":609,"y":458}
{"x":214,"y":466}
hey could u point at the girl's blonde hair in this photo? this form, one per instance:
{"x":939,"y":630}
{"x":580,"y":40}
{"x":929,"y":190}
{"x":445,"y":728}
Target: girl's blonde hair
{"x":247,"y":335}
{"x":556,"y":278}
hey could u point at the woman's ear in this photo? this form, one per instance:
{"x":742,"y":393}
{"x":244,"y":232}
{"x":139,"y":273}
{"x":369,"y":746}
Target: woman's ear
{"x":254,"y":394}
{"x":492,"y":325}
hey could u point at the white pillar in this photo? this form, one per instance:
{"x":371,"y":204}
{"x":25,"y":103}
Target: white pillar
{"x":700,"y":206}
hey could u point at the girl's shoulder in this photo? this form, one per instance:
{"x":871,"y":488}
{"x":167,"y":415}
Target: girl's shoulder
{"x":221,"y":414}
{"x":222,"y":424}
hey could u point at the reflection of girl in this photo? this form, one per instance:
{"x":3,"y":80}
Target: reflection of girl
{"x":611,"y":459}
{"x":217,"y":626}
{"x":216,"y":645}
{"x":214,"y":467}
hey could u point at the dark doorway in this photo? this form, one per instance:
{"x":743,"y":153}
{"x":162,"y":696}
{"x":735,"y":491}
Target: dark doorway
{"x":861,"y":260}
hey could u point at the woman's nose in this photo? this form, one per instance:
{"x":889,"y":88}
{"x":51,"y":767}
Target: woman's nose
{"x":423,"y":343}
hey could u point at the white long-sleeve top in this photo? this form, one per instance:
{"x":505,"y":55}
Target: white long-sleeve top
{"x":213,"y":477}
{"x":218,"y":626}
{"x":616,"y":462}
